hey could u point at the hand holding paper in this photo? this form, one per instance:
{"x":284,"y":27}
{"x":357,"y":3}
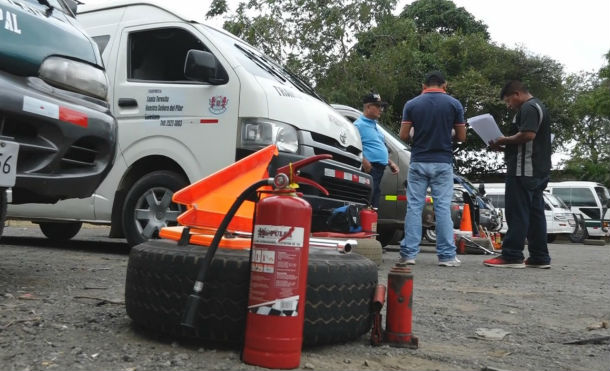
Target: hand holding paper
{"x":485,"y":126}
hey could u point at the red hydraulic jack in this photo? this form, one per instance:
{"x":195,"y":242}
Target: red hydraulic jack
{"x":400,"y":309}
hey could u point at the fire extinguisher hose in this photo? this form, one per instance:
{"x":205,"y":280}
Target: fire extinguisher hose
{"x":194,"y":299}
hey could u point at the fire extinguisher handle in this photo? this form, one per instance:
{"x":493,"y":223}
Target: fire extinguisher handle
{"x":292,"y":170}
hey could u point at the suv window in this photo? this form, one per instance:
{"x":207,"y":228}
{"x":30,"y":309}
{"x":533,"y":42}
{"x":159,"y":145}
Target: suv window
{"x":496,"y":200}
{"x":583,"y":197}
{"x":602,"y":193}
{"x":159,"y":55}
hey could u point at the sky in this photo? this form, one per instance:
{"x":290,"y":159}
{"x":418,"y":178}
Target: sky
{"x":574,"y":33}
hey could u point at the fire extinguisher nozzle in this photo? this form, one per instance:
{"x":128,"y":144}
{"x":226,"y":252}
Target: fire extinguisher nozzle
{"x":190,"y":312}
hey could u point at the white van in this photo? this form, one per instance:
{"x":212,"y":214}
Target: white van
{"x":590,"y":199}
{"x":190,"y":100}
{"x":559,"y":217}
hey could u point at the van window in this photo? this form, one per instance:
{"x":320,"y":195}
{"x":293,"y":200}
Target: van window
{"x":102,"y":42}
{"x":583,"y":197}
{"x":564,"y":195}
{"x":159,"y":55}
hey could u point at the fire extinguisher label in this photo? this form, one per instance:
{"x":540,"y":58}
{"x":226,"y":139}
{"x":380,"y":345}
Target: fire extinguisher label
{"x":279,"y":235}
{"x":274,"y":276}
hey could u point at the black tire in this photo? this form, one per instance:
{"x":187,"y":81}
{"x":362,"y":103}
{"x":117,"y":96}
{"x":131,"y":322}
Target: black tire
{"x":550,"y":238}
{"x":2,"y":209}
{"x":142,"y":219}
{"x":430,"y":235}
{"x":579,"y":235}
{"x":369,"y":248}
{"x":160,"y":276}
{"x":60,"y":231}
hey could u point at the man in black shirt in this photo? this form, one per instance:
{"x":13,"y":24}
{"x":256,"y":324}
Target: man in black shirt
{"x":528,"y":160}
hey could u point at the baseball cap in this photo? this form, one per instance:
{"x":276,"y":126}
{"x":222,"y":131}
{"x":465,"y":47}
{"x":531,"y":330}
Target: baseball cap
{"x":434,"y":78}
{"x":373,"y":97}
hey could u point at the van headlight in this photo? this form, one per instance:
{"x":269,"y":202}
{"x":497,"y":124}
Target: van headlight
{"x":74,"y":76}
{"x":263,"y":132}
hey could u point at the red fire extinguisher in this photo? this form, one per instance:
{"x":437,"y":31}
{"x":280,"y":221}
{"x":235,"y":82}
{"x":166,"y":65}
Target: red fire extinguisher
{"x":278,"y":273}
{"x":368,"y":219}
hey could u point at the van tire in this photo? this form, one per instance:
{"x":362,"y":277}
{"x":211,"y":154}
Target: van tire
{"x":2,"y":209}
{"x":161,"y":184}
{"x":430,"y":235}
{"x":60,"y":231}
{"x":160,"y":277}
{"x":551,"y":237}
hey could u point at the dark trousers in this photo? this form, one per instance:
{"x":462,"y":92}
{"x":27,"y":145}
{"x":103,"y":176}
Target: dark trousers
{"x":525,"y":218}
{"x":377,"y":171}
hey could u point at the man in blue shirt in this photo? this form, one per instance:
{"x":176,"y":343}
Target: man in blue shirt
{"x":375,"y":153}
{"x":431,"y":119}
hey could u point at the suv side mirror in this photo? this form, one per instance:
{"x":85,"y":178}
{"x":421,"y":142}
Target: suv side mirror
{"x":203,"y":66}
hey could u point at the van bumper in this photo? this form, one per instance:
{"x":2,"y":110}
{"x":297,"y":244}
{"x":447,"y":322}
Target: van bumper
{"x":67,"y":141}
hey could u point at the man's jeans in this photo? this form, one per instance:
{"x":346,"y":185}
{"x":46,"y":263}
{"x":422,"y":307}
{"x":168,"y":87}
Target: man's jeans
{"x":439,"y":177}
{"x":377,"y":171}
{"x":525,"y":217}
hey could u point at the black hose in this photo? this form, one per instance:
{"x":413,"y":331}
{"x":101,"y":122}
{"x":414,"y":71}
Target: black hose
{"x":193,"y":301}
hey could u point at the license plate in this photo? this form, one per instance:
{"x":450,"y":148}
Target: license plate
{"x":8,"y":163}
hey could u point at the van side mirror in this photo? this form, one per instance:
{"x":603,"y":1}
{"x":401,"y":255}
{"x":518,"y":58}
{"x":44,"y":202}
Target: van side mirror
{"x":203,"y":66}
{"x":72,"y":5}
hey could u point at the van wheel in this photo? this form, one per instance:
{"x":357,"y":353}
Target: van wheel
{"x":60,"y":231}
{"x":148,"y":206}
{"x":550,"y":238}
{"x":160,"y":277}
{"x":2,"y":209}
{"x":580,"y":233}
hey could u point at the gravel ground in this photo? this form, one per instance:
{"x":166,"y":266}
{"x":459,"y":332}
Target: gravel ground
{"x":62,"y":307}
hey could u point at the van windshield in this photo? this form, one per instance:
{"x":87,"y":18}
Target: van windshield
{"x":257,"y":63}
{"x":602,"y":193}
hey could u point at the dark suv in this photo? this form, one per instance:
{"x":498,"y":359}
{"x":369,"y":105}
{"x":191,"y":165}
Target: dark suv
{"x":57,"y":136}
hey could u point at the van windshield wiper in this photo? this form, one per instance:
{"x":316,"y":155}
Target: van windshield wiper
{"x":302,"y":85}
{"x":46,"y":3}
{"x":261,"y":62}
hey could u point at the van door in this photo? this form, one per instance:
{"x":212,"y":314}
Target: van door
{"x":161,"y":113}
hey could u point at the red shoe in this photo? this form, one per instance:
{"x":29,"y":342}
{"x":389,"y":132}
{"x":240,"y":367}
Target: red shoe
{"x":532,"y":264}
{"x":500,"y":262}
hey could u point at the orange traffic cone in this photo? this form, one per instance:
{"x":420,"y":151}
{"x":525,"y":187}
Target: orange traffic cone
{"x":466,"y":224}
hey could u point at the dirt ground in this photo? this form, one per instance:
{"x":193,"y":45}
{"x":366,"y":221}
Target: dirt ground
{"x":62,"y":308}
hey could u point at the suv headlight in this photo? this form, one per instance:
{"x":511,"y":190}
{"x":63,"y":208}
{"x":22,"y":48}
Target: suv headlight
{"x":74,"y":76}
{"x":263,"y":132}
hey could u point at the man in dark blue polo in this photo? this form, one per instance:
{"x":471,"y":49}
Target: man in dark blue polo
{"x":431,"y":120}
{"x":375,"y":153}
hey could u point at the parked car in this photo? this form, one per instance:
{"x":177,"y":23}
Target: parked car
{"x":485,"y":213}
{"x":559,"y":217}
{"x":589,"y":199}
{"x":190,"y":100}
{"x":393,"y":199}
{"x":57,"y":135}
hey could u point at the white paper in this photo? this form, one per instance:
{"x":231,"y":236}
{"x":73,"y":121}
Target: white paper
{"x":485,"y":126}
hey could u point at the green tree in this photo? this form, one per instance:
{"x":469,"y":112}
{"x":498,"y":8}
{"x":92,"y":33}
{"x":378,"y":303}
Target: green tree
{"x":590,"y":157}
{"x":444,"y":17}
{"x":305,"y":35}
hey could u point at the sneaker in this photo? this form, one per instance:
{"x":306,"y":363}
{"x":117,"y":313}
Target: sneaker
{"x":531,"y":264}
{"x":450,"y":263}
{"x":404,"y":261}
{"x":500,"y":262}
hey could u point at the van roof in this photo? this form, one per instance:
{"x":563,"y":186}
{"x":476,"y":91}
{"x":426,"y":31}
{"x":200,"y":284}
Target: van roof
{"x":163,"y":5}
{"x":574,"y":183}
